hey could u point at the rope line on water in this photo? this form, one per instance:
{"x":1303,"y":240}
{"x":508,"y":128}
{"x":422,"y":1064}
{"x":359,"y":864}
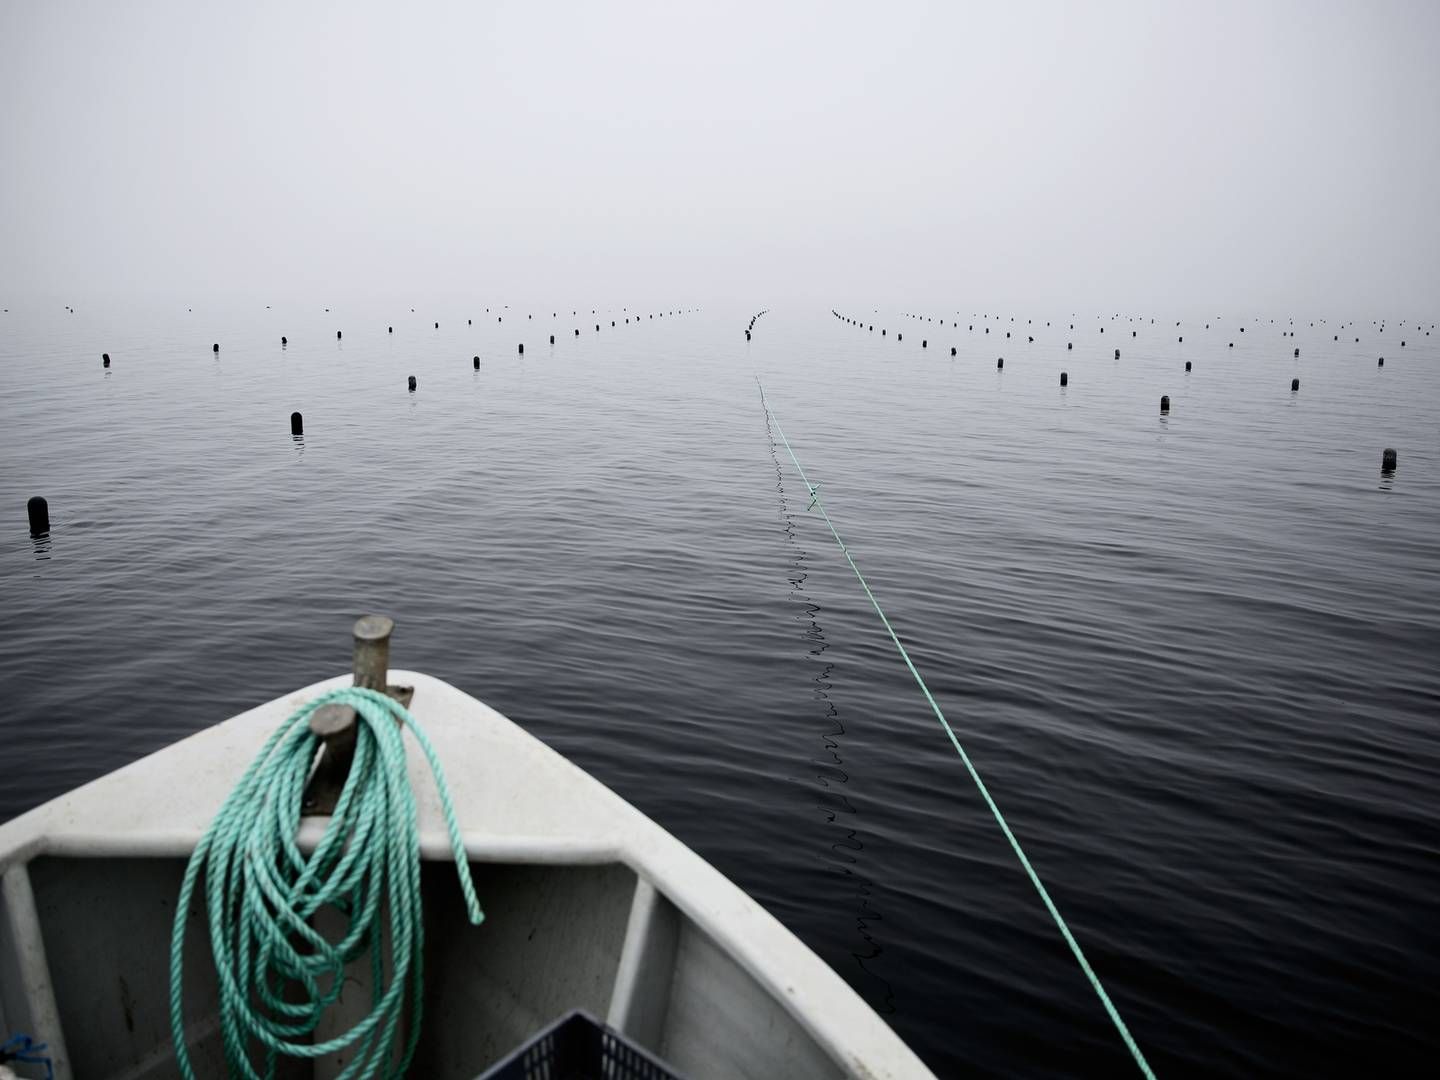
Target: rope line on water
{"x":277,"y":973}
{"x":817,"y":504}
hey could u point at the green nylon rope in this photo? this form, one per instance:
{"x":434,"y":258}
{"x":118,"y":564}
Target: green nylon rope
{"x":816,"y":504}
{"x":277,"y":974}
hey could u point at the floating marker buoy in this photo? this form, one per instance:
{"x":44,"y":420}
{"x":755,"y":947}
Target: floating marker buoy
{"x":1294,"y":385}
{"x":1069,"y":345}
{"x":552,"y":339}
{"x":522,"y":349}
{"x":412,"y":382}
{"x":1387,"y":464}
{"x":1064,"y":379}
{"x":215,"y":347}
{"x":297,"y":424}
{"x":1297,"y":354}
{"x":952,"y":350}
{"x":105,"y":359}
{"x":38,"y":510}
{"x":477,"y":363}
{"x":999,"y":363}
{"x":924,"y":344}
{"x":1380,"y":362}
{"x":1117,"y":354}
{"x":337,"y":335}
{"x":1187,"y":365}
{"x":1164,"y":404}
{"x":284,"y":340}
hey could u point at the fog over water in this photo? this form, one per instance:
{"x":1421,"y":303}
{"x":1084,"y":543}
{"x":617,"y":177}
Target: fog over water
{"x":1276,"y":156}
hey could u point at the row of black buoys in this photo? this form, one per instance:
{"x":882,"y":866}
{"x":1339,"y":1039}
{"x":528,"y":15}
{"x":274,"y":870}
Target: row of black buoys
{"x":38,"y":510}
{"x":105,"y":360}
{"x":297,"y":424}
{"x":1064,"y":378}
{"x":412,"y":382}
{"x":1164,"y":404}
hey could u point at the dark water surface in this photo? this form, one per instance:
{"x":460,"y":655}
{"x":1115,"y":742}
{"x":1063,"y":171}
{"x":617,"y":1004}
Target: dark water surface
{"x":1196,"y":657}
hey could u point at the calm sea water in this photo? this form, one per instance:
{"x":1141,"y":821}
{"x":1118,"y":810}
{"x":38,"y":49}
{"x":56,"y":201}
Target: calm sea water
{"x":1196,"y":657}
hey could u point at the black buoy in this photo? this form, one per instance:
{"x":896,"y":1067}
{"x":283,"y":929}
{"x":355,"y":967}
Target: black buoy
{"x":1294,"y":385}
{"x":1387,"y":464}
{"x":924,"y":344}
{"x":1164,"y":404}
{"x":1402,"y":344}
{"x":215,"y":347}
{"x":412,"y":382}
{"x":899,"y":337}
{"x":105,"y":359}
{"x":1181,"y":340}
{"x":284,"y":340}
{"x":1117,"y":354}
{"x":552,"y":339}
{"x":1380,"y":362}
{"x":390,"y":329}
{"x":1069,"y":345}
{"x":999,"y":363}
{"x":747,"y":335}
{"x":952,"y":350}
{"x":39,"y":511}
{"x":522,"y":348}
{"x":1297,"y":354}
{"x":297,"y":424}
{"x":469,"y":322}
{"x":477,"y":363}
{"x":337,"y":335}
{"x":597,"y":327}
{"x":1230,"y":345}
{"x":437,"y":326}
{"x":1032,"y":340}
{"x":1132,"y":333}
{"x":1187,"y":365}
{"x":577,"y":331}
{"x":1064,"y":379}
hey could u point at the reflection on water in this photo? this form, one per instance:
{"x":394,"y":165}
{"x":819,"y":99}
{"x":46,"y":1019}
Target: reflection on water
{"x":843,"y":843}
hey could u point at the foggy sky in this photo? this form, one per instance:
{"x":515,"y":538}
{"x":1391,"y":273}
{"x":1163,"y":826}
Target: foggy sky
{"x":1181,"y":157}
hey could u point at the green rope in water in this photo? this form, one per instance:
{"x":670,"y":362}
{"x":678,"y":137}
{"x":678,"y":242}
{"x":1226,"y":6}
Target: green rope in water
{"x":817,"y":504}
{"x":277,"y":974}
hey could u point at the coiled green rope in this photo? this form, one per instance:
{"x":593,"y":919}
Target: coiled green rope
{"x":277,"y":974}
{"x":1110,"y":1010}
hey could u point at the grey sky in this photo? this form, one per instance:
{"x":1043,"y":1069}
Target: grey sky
{"x":1280,"y":157}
